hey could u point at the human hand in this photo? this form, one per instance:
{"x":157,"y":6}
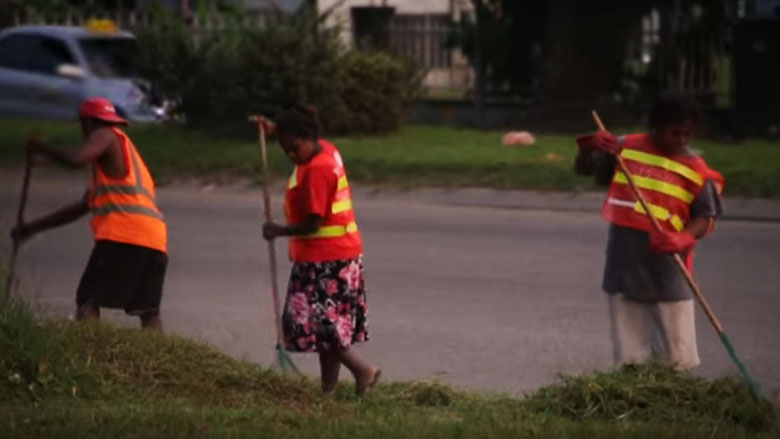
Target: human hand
{"x":672,"y":242}
{"x":602,"y":140}
{"x":21,"y":233}
{"x":272,"y":231}
{"x":265,"y":123}
{"x":34,"y":143}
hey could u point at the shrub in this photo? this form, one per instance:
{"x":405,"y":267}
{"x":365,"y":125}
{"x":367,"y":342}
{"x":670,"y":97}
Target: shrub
{"x":218,"y":78}
{"x":377,"y":91}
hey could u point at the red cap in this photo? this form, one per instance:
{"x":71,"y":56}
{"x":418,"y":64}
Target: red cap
{"x":100,"y":108}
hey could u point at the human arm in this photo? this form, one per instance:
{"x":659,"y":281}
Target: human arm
{"x":600,"y":165}
{"x":96,"y":145}
{"x":58,"y":218}
{"x":705,"y":209}
{"x":305,"y":227}
{"x":596,"y":156}
{"x":317,"y":186}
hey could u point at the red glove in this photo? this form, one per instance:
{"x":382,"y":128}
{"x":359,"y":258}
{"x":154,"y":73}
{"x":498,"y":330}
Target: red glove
{"x":672,"y":242}
{"x":602,"y":140}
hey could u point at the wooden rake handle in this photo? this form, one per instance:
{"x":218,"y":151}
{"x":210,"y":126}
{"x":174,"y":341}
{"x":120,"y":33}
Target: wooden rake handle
{"x":268,"y":218}
{"x":10,"y":279}
{"x":683,"y":268}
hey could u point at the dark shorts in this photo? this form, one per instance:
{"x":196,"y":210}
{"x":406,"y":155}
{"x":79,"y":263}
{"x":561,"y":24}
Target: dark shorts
{"x":123,"y":276}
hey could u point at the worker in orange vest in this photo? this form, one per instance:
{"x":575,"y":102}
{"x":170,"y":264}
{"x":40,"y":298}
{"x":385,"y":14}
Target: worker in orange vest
{"x":127,"y":266}
{"x":651,"y":308}
{"x":326,"y":309}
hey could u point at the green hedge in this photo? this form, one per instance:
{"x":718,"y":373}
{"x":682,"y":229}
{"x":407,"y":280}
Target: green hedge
{"x":218,"y":78}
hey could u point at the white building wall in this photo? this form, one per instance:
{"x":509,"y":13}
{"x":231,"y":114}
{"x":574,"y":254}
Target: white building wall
{"x":458,"y":76}
{"x":341,"y":14}
{"x":401,"y":6}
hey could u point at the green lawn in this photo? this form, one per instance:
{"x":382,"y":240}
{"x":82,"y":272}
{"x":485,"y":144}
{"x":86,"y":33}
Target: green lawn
{"x":69,"y":380}
{"x":415,"y":156}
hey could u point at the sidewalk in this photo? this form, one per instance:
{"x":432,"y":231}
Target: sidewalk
{"x":737,"y":209}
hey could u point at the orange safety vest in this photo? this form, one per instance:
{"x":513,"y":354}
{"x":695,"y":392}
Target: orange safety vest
{"x":338,"y":236}
{"x":668,"y":183}
{"x":124,"y":209}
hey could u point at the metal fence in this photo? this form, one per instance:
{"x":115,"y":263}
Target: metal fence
{"x":687,"y":45}
{"x":422,"y":38}
{"x":128,"y":19}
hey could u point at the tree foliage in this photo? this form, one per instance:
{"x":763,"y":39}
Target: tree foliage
{"x":504,"y":38}
{"x":218,"y":78}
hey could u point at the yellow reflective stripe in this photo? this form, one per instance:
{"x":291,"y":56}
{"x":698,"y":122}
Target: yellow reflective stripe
{"x":658,"y":186}
{"x":110,"y":208}
{"x":665,"y":163}
{"x":343,"y":183}
{"x":658,"y":211}
{"x":293,"y":182}
{"x":661,"y":213}
{"x":341,"y":206}
{"x":333,"y":231}
{"x":677,"y":223}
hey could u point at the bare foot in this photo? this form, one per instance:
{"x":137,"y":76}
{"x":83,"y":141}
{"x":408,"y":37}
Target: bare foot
{"x":368,"y":381}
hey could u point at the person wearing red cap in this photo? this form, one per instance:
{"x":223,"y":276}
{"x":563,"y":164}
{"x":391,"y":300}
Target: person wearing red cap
{"x":127,"y":266}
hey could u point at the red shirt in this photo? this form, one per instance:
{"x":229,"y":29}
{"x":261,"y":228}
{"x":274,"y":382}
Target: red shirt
{"x":312,"y":190}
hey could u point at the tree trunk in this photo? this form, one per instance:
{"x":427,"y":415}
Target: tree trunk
{"x":586,"y":44}
{"x":585,"y":47}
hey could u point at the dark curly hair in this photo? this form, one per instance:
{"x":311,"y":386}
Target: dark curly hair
{"x":673,"y":108}
{"x":299,"y":122}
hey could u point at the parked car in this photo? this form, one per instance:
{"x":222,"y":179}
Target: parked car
{"x":46,"y":71}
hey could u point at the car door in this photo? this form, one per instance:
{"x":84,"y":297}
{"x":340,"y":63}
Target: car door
{"x":29,"y":82}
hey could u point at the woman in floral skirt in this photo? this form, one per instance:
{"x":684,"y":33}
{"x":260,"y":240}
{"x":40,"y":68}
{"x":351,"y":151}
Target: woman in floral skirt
{"x":325,"y":310}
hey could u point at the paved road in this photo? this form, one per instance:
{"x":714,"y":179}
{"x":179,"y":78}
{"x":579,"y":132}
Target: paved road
{"x":483,"y":298}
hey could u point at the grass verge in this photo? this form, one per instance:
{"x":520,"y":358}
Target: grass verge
{"x":64,"y":379}
{"x":415,"y":156}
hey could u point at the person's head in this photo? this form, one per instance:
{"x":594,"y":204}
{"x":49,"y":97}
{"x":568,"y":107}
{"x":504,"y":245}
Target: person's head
{"x":97,"y":113}
{"x":672,"y":120}
{"x":298,"y":129}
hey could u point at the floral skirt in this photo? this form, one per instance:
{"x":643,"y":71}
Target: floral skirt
{"x":326,"y":306}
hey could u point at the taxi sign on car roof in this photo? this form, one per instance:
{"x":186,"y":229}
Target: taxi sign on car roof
{"x":101,"y":25}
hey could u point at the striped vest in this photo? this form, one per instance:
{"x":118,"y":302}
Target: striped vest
{"x":668,"y":183}
{"x":124,"y":209}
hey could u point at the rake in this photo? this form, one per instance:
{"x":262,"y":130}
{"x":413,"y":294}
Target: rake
{"x":10,"y":280}
{"x":283,"y":359}
{"x":752,"y":385}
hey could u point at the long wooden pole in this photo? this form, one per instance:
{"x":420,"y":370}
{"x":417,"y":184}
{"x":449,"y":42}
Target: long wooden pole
{"x":11,"y":273}
{"x":683,"y":268}
{"x":271,"y":247}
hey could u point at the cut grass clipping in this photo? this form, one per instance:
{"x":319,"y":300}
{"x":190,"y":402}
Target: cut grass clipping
{"x":66,"y":379}
{"x":413,"y":157}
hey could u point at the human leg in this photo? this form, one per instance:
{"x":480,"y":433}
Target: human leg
{"x":676,"y":329}
{"x":330,"y":367}
{"x":366,"y":375}
{"x":631,"y":330}
{"x":87,"y":312}
{"x":146,"y":299}
{"x":91,"y":280}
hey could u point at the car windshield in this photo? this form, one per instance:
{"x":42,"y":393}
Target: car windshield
{"x":111,"y":57}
